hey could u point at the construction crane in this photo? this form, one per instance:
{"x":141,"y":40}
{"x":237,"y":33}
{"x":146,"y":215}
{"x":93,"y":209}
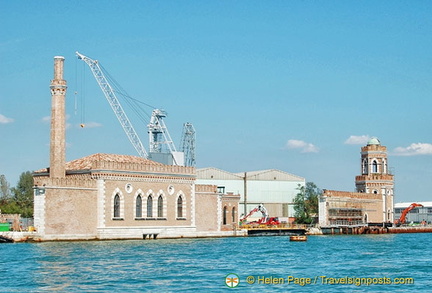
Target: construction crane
{"x":188,"y":144}
{"x":112,"y":99}
{"x":162,"y":148}
{"x":158,"y":133}
{"x":160,"y":137}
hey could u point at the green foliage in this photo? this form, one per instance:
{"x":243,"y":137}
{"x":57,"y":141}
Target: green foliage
{"x":5,"y":192}
{"x":9,"y":207}
{"x":306,"y":203}
{"x":19,"y":199}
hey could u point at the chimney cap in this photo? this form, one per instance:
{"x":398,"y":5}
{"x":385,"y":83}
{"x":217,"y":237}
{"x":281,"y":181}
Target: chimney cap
{"x":59,"y":57}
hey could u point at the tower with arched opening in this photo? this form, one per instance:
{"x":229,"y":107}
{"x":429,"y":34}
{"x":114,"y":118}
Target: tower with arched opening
{"x":376,"y":177}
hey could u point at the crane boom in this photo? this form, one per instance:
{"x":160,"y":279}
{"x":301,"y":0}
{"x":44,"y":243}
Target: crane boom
{"x":115,"y":104}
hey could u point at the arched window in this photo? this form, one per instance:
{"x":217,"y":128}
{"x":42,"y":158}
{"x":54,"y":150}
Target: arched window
{"x":149,"y":206}
{"x":180,"y":207}
{"x":225,"y":215}
{"x":234,"y":215}
{"x":138,"y":207}
{"x":160,"y":207}
{"x":116,"y":206}
{"x":374,"y":167}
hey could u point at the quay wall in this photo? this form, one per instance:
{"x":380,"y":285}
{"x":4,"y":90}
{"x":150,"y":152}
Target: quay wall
{"x":426,"y":229}
{"x":35,"y":237}
{"x":352,"y":230}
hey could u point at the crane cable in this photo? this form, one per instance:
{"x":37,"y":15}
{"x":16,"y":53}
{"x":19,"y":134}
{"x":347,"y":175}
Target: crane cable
{"x":83,"y":96}
{"x":134,"y":104}
{"x":80,"y":93}
{"x":137,"y":106}
{"x":76,"y":88}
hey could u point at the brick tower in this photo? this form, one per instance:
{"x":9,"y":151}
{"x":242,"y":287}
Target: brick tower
{"x":375,"y":176}
{"x":58,"y":121}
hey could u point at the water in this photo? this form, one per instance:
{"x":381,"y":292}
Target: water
{"x":201,"y":265}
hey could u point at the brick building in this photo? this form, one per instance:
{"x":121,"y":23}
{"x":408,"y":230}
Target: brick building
{"x":373,"y":200}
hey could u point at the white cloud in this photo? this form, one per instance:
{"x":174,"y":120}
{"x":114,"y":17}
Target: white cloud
{"x":304,"y":147}
{"x":358,"y":139}
{"x":5,"y":120}
{"x":414,"y":149}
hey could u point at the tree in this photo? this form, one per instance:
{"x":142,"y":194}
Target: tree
{"x":4,"y":188}
{"x":306,"y":203}
{"x":7,"y":203}
{"x":23,"y":194}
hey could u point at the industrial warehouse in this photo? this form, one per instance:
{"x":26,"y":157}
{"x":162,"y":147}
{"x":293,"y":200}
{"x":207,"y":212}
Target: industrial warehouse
{"x":274,"y":189}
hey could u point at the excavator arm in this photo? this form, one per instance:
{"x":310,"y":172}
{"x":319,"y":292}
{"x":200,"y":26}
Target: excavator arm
{"x":402,"y":218}
{"x":259,"y":208}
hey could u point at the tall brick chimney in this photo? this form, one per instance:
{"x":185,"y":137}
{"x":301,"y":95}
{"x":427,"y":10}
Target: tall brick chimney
{"x":58,"y":121}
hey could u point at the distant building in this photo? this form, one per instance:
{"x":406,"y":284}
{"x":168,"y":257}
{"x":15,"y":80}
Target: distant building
{"x":274,"y":188}
{"x":373,"y":201}
{"x":416,"y":215}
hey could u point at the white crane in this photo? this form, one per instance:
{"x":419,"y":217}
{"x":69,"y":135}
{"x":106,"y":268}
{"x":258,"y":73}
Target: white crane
{"x":160,"y":137}
{"x":187,"y":144}
{"x":157,"y":130}
{"x":114,"y":103}
{"x":158,"y":133}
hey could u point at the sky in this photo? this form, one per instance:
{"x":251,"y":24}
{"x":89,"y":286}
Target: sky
{"x":298,"y":86}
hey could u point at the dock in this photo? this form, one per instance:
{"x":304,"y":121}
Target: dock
{"x":386,"y":229}
{"x":275,"y":231}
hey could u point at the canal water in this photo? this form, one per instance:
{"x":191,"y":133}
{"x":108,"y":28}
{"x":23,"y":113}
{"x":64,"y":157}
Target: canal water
{"x":345,"y":263}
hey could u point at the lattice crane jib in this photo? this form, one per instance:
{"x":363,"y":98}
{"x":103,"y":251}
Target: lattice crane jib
{"x":158,"y":133}
{"x":188,"y":144}
{"x":112,"y":99}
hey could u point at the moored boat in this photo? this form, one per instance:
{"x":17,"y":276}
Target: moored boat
{"x":298,"y":238}
{"x":4,"y":239}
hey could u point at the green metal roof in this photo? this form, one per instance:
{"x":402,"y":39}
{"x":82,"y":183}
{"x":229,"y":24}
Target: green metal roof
{"x":374,"y":141}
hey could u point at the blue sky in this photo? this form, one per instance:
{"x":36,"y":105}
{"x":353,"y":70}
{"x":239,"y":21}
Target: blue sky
{"x":292,"y":85}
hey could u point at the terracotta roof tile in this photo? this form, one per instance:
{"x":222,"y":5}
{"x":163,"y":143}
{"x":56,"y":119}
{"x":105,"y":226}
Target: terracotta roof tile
{"x":86,"y":163}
